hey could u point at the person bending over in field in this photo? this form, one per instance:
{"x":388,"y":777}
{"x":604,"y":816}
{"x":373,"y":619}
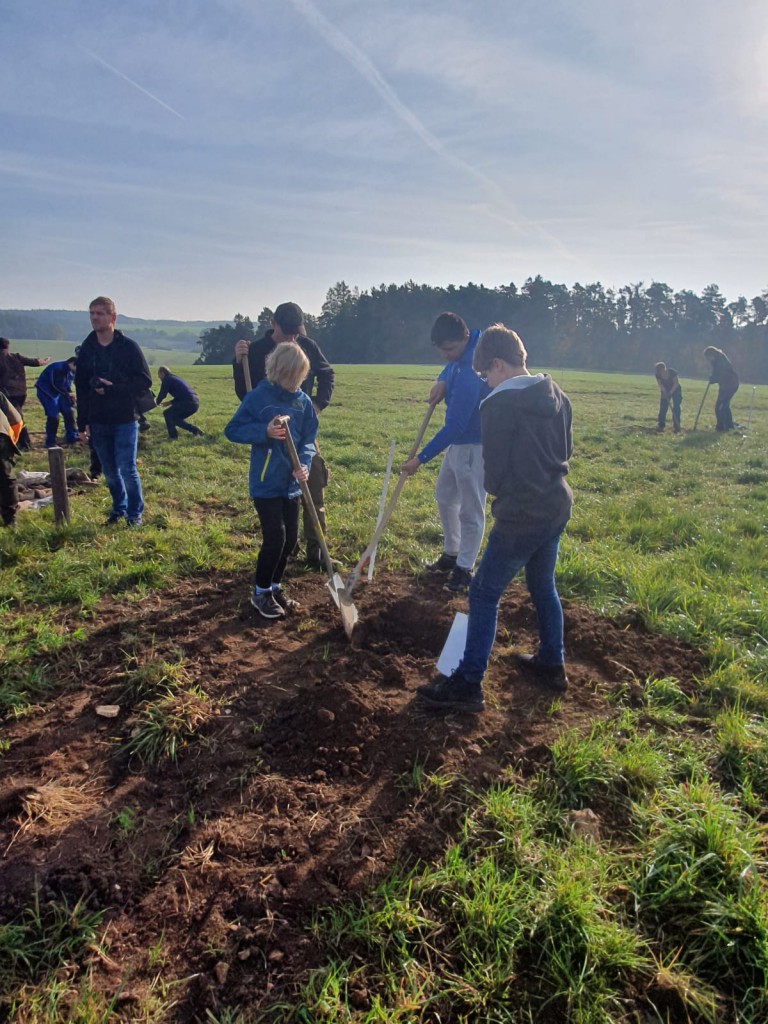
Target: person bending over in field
{"x":459,"y":492}
{"x":671,"y":395}
{"x":723,"y":374}
{"x":54,"y":391}
{"x":527,"y":443}
{"x":274,"y":485}
{"x":288,"y":325}
{"x":183,"y":403}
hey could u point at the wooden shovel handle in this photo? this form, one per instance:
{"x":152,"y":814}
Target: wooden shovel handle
{"x":246,"y":372}
{"x":354,"y":576}
{"x":293,"y":455}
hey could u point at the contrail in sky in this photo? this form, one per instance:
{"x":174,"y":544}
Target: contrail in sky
{"x":130,"y":81}
{"x":362,"y":64}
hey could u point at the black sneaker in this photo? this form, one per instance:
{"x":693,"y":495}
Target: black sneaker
{"x":452,"y":693}
{"x":114,"y":518}
{"x":266,"y":605}
{"x":445,"y":563}
{"x":459,"y":580}
{"x":285,"y":602}
{"x":552,"y":676}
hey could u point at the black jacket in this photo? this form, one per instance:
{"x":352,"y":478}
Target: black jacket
{"x":121,"y":362}
{"x":320,"y":370}
{"x":527,"y":442}
{"x":13,"y":379}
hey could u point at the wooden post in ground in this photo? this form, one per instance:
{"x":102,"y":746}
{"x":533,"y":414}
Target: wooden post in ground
{"x":59,"y":485}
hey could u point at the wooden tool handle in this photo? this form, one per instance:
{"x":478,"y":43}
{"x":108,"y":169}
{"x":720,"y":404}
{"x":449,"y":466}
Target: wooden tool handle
{"x":293,"y":455}
{"x":246,"y":372}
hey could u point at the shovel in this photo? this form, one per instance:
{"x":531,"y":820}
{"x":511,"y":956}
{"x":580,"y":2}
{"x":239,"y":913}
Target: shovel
{"x":354,"y":576}
{"x":334,"y":582}
{"x":696,"y":421}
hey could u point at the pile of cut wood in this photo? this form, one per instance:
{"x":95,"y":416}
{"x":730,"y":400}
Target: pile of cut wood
{"x":35,"y":488}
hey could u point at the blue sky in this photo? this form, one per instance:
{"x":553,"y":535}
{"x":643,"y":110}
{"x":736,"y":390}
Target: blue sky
{"x":198,"y":158}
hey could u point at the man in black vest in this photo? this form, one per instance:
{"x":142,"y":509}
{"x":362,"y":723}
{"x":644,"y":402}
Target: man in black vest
{"x":288,"y":325}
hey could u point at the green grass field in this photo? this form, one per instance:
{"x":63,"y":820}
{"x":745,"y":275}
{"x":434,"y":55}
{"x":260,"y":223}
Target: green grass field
{"x":669,"y":532}
{"x":172,"y":357}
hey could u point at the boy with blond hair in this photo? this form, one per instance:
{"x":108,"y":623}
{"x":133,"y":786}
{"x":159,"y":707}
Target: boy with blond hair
{"x":274,"y":485}
{"x":526,"y":426}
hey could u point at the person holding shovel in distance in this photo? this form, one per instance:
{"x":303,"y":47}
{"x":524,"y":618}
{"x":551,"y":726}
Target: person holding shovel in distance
{"x":527,"y":443}
{"x":459,"y":490}
{"x":288,"y":326}
{"x":671,"y":395}
{"x":727,"y":380}
{"x":261,"y":422}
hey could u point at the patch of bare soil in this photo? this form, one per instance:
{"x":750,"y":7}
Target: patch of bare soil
{"x":295,"y":794}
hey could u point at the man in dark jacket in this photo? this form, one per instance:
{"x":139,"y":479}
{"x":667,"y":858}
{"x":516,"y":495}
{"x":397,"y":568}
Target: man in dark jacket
{"x":111,"y":375}
{"x":10,"y":426}
{"x":526,"y":425}
{"x":288,"y":325}
{"x":184,"y":402}
{"x":13,"y":382}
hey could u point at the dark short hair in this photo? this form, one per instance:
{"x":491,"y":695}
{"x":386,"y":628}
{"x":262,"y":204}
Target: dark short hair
{"x":447,"y":328}
{"x":72,"y":359}
{"x":289,"y":318}
{"x":4,"y":343}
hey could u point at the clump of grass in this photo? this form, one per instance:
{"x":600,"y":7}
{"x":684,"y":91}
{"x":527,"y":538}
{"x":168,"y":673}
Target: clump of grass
{"x":698,"y":886}
{"x":742,"y":755}
{"x":47,"y":937}
{"x":168,"y":724}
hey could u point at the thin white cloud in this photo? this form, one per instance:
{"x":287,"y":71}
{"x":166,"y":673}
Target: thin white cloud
{"x":130,"y":81}
{"x":500,"y":207}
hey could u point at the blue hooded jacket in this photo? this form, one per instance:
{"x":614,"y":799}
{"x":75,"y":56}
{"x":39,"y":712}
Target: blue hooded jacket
{"x":271,"y":474}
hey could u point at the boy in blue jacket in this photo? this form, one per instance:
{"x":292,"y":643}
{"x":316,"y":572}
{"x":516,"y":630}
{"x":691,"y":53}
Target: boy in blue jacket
{"x":54,"y":390}
{"x":273,"y":483}
{"x":459,"y":492}
{"x":184,"y":403}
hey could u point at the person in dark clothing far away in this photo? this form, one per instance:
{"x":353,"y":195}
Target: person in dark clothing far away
{"x":288,"y":325}
{"x":111,"y":375}
{"x":183,"y":403}
{"x":723,"y":374}
{"x":671,"y":395}
{"x":459,"y":491}
{"x":527,"y":442}
{"x":13,"y":383}
{"x":54,"y":390}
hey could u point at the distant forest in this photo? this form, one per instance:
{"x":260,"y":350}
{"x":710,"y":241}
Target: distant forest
{"x":584,"y":327}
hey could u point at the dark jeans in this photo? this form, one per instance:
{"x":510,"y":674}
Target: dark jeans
{"x":502,"y":559}
{"x":676,"y":401}
{"x":9,"y":492}
{"x":116,"y":445}
{"x":279,"y":518}
{"x":53,"y":405}
{"x":25,"y":441}
{"x":723,"y":415}
{"x":176,"y":416}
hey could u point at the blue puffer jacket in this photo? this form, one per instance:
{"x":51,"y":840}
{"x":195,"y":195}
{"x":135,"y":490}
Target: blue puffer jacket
{"x":271,"y":475}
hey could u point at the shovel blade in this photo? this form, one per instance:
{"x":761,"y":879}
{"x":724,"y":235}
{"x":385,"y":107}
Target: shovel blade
{"x":343,"y":602}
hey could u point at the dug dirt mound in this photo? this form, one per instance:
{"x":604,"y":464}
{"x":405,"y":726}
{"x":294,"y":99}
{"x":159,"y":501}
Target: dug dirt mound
{"x":300,"y":782}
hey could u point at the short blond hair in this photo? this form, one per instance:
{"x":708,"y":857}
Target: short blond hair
{"x":660,"y":367}
{"x":498,"y":342}
{"x":287,"y":366}
{"x":108,"y":304}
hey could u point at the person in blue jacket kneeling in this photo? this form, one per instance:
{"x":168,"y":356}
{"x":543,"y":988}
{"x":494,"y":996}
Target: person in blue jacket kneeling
{"x":273,"y":484}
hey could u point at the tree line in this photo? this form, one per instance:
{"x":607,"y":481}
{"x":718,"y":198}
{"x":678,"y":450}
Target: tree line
{"x":583,"y":327}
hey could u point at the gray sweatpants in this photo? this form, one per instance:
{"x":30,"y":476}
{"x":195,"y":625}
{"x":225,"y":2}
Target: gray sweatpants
{"x":461,"y":502}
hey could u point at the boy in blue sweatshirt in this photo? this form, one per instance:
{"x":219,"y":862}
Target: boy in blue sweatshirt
{"x":459,"y":492}
{"x":54,"y":390}
{"x":274,"y":486}
{"x":184,"y":403}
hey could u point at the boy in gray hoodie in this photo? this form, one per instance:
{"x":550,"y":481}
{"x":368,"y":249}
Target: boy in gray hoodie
{"x":527,"y":442}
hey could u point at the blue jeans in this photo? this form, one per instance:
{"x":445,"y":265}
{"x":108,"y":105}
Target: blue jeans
{"x":116,"y":445}
{"x":676,"y":401}
{"x":502,"y":559}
